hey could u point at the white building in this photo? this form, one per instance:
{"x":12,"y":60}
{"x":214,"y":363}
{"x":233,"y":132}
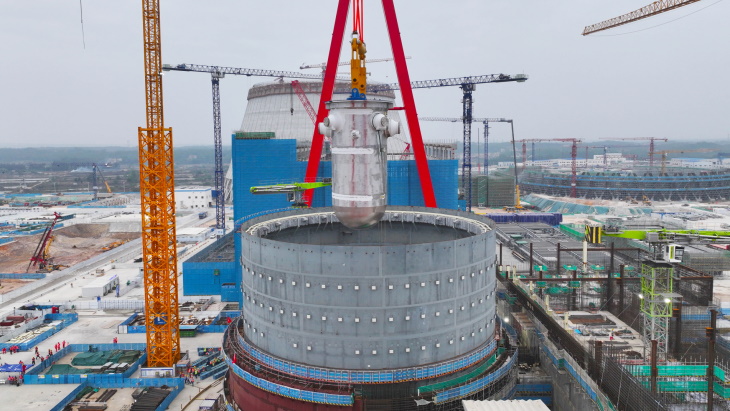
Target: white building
{"x":192,"y":234}
{"x":707,"y":163}
{"x":596,"y":162}
{"x":193,"y":198}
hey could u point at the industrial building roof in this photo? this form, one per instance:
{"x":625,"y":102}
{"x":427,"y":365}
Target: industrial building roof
{"x":508,"y":405}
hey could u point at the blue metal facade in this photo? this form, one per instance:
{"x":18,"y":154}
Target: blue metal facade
{"x":273,"y":161}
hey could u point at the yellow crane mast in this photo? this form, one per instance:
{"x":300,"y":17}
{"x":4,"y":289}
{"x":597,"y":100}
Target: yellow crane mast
{"x":665,"y":152}
{"x":157,"y":189}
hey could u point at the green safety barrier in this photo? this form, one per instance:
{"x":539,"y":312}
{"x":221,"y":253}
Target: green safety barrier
{"x":598,"y":267}
{"x":541,"y":284}
{"x":460,"y":380}
{"x":720,"y":373}
{"x":678,"y":371}
{"x":722,"y":391}
{"x":678,"y":386}
{"x":570,"y":267}
{"x":574,"y":284}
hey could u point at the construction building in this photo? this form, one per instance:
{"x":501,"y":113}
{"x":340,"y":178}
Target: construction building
{"x":198,"y":198}
{"x":494,"y":190}
{"x":332,"y":316}
{"x":674,"y":185}
{"x":277,"y":155}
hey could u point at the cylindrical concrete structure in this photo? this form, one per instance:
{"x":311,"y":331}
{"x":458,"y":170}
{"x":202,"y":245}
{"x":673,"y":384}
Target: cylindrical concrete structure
{"x":409,"y":299}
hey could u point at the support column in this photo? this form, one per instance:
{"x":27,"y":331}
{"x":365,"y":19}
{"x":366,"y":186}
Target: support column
{"x":711,"y":360}
{"x":620,"y":284}
{"x":654,"y":369}
{"x":610,"y":284}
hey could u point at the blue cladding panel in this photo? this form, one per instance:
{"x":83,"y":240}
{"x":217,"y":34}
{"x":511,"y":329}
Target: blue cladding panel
{"x":264,"y":162}
{"x":476,"y":385}
{"x":403,"y":374}
{"x":404,"y":184}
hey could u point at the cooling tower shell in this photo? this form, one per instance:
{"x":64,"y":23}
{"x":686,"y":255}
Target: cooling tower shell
{"x":274,"y":107}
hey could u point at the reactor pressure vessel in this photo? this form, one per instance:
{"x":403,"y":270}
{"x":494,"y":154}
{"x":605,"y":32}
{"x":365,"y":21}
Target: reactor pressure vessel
{"x":358,"y":130}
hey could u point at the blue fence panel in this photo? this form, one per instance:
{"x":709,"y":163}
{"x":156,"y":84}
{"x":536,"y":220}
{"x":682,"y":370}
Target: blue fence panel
{"x":129,"y":319}
{"x":477,"y":385}
{"x":21,"y":276}
{"x":70,"y":397}
{"x":169,"y":399}
{"x":213,"y":370}
{"x":66,"y":320}
{"x":302,"y":395}
{"x":33,"y":374}
{"x":371,"y":376}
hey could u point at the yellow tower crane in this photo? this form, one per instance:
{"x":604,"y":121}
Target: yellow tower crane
{"x":157,"y":189}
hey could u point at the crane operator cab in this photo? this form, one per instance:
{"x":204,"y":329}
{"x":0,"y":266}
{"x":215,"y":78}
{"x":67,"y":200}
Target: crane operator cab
{"x":673,"y":253}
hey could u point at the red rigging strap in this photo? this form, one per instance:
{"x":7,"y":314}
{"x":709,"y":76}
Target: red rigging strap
{"x":404,"y":79}
{"x":328,"y":86}
{"x":357,"y":18}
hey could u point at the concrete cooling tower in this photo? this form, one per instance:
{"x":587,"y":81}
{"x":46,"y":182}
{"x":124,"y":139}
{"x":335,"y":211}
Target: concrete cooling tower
{"x":398,"y":316}
{"x":274,"y":106}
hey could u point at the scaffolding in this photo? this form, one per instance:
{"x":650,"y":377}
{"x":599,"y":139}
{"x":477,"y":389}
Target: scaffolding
{"x":493,"y":190}
{"x":657,"y":291}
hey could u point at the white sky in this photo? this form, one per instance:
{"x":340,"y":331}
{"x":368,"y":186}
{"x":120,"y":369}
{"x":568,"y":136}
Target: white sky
{"x":667,"y":81}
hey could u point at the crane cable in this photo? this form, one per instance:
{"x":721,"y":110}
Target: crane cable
{"x":83,"y":35}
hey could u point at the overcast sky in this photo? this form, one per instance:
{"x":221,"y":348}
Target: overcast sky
{"x":656,"y":77}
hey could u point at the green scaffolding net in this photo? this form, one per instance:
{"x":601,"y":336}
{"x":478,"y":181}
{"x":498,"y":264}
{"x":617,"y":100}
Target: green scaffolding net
{"x":102,"y":357}
{"x":677,"y":371}
{"x":62,"y":369}
{"x":464,"y":378}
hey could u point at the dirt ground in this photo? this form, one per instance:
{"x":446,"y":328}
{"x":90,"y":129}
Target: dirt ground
{"x":70,"y":246}
{"x":7,"y":286}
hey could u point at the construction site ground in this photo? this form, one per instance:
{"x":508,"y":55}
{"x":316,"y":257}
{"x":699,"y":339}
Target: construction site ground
{"x":95,"y":326}
{"x":8,"y":285}
{"x":71,"y":245}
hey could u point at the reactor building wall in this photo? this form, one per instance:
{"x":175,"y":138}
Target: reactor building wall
{"x":406,"y":303}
